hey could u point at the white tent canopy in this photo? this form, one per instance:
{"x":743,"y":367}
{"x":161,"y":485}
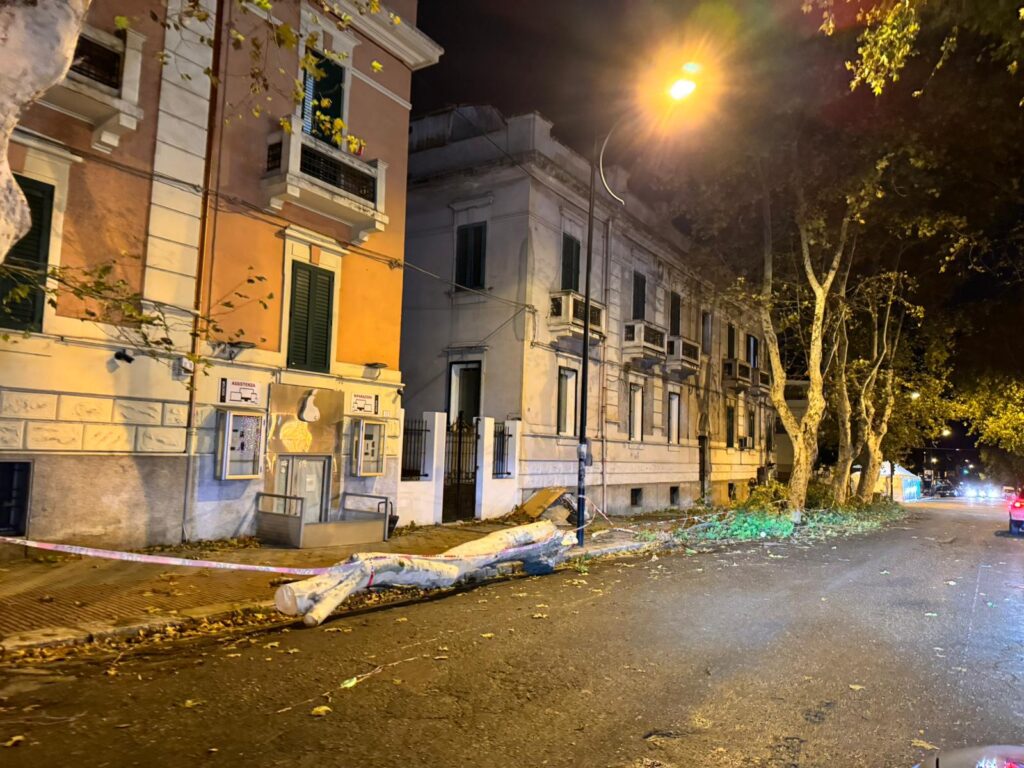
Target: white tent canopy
{"x":902,"y":484}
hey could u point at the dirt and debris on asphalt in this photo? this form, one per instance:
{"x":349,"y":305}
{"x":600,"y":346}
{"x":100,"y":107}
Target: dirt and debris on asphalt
{"x":862,"y":651}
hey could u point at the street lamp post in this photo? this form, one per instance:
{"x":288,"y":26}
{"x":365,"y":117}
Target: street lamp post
{"x":678,"y":91}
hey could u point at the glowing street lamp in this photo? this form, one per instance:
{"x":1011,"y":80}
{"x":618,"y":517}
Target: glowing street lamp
{"x":915,"y":395}
{"x":679,"y":90}
{"x":947,"y":432}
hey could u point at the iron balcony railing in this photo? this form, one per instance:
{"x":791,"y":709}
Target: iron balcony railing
{"x":641,"y":338}
{"x":567,"y":311}
{"x":736,"y":372}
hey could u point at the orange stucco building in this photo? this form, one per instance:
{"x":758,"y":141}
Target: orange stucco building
{"x":275,"y":252}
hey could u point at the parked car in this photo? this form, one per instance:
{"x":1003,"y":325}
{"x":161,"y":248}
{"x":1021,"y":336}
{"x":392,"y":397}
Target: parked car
{"x":943,"y":489}
{"x":1016,"y":511}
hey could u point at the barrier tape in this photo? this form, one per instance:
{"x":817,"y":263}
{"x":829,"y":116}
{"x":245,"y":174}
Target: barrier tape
{"x":138,"y":557}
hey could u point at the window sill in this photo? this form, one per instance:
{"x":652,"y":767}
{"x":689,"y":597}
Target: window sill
{"x":287,"y":183}
{"x":469,"y":296}
{"x":111,"y":116}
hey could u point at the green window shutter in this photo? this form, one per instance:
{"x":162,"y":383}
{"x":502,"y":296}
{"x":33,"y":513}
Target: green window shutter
{"x":24,"y":311}
{"x":570,"y":263}
{"x":309,"y":323}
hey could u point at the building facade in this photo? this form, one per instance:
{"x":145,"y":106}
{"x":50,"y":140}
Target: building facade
{"x":266,"y":222}
{"x":493,"y":315}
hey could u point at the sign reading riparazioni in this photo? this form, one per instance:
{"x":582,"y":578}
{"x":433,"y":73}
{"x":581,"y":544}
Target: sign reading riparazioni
{"x":239,"y":392}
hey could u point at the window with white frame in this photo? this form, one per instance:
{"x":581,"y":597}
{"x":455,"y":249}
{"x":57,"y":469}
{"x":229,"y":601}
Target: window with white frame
{"x":636,"y":412}
{"x":323,"y":104}
{"x":464,"y":385}
{"x":673,"y":418}
{"x":568,"y":389}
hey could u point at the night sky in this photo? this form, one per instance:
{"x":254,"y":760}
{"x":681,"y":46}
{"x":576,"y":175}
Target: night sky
{"x":574,"y":61}
{"x":567,"y":59}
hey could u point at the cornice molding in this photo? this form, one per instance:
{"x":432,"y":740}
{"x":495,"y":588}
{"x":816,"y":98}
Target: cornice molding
{"x":404,"y":41}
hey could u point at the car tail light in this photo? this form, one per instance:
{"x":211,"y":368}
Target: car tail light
{"x":1018,"y":504}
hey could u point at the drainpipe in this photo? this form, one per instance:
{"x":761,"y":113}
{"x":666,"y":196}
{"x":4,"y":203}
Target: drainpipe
{"x":212,"y":124}
{"x":603,"y":391}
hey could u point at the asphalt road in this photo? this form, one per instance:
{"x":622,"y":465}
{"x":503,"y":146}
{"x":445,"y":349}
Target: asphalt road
{"x":770,"y":656}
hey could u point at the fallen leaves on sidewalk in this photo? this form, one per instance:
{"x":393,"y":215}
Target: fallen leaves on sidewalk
{"x":14,"y":741}
{"x":855,"y":687}
{"x":922,"y":744}
{"x":321,"y":711}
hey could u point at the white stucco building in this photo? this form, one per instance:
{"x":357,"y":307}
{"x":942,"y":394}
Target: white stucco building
{"x":677,"y":392}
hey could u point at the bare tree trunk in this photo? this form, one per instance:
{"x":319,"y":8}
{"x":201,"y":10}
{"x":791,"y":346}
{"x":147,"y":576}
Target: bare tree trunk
{"x":37,"y":43}
{"x":844,"y":463}
{"x":803,"y":433}
{"x":875,"y":431}
{"x":871,"y":470}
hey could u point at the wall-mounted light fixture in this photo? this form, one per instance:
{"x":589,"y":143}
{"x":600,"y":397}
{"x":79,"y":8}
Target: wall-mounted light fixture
{"x":374,"y":370}
{"x":124,"y":356}
{"x":229,"y":350}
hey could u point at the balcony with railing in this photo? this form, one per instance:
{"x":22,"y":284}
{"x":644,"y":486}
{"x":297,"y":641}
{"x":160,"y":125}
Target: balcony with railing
{"x":306,"y":171}
{"x":683,"y":355}
{"x":567,"y":311}
{"x":643,"y":340}
{"x":737,"y":374}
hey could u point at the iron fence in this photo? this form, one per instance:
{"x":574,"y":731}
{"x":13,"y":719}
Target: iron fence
{"x":414,"y":449}
{"x":502,"y":436}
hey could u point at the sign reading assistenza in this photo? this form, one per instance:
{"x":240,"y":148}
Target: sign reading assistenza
{"x":239,"y":392}
{"x":365,"y":404}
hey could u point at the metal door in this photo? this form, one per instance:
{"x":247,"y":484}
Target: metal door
{"x":307,"y":478}
{"x":14,"y":486}
{"x":460,"y":472}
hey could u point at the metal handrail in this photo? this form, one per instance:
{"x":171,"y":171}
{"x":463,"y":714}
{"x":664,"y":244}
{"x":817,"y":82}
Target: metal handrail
{"x":260,"y":495}
{"x":385,"y":506}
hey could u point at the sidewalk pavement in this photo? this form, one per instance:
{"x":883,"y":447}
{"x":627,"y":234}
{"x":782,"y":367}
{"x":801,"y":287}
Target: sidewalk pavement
{"x":48,"y":600}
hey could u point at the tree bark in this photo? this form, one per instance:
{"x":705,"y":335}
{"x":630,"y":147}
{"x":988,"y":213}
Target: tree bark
{"x":37,"y":43}
{"x":803,"y":433}
{"x":875,"y":431}
{"x":539,"y":546}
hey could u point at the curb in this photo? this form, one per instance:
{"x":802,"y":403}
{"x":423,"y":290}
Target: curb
{"x":66,"y":637}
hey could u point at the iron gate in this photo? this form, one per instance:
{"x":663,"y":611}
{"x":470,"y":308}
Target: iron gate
{"x":460,"y":472}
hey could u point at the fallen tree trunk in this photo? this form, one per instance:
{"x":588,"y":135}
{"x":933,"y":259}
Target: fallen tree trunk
{"x":538,"y":546}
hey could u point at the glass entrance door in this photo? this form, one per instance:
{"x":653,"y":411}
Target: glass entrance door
{"x":308,"y":479}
